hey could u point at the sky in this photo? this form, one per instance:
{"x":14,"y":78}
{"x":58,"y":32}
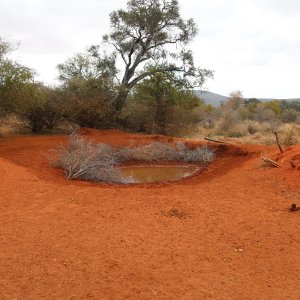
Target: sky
{"x":252,"y":45}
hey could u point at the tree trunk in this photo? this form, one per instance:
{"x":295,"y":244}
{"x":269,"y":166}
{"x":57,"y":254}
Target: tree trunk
{"x":120,"y":100}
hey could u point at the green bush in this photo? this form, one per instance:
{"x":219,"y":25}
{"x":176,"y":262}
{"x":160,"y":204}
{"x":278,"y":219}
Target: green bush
{"x":159,"y":105}
{"x":90,"y":102}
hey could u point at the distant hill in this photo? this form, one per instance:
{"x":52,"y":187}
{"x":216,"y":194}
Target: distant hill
{"x":216,"y":99}
{"x":211,"y":98}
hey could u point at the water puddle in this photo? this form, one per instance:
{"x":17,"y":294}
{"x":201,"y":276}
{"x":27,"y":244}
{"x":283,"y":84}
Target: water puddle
{"x":150,"y":174}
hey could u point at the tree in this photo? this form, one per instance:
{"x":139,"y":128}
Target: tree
{"x":274,"y":106}
{"x":251,"y":102}
{"x":235,"y":100}
{"x":13,"y":77}
{"x":143,"y":36}
{"x":32,"y":106}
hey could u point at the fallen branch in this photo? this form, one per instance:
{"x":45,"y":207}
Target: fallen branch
{"x":277,"y":141}
{"x":216,"y":141}
{"x":293,"y":164}
{"x":271,"y":162}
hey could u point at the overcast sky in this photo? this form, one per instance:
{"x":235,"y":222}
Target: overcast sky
{"x":252,"y":45}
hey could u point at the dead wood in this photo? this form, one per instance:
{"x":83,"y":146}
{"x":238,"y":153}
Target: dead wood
{"x":277,"y":141}
{"x":216,"y":141}
{"x":271,"y":162}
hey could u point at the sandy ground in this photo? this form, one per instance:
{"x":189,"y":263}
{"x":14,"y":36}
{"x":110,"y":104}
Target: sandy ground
{"x":224,"y":234}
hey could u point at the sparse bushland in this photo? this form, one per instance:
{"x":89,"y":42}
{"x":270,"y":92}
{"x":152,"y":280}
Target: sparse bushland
{"x":159,"y":102}
{"x":252,"y":121}
{"x":83,"y":159}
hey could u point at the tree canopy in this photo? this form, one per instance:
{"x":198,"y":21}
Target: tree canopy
{"x":92,"y":64}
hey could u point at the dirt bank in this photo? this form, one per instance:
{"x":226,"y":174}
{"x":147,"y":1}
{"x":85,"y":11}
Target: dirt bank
{"x":225,"y":234}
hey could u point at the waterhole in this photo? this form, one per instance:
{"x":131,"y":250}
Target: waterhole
{"x":150,"y":174}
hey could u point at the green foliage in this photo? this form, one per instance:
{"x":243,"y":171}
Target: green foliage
{"x":274,"y":106}
{"x":91,"y":64}
{"x":290,"y":115}
{"x":40,"y":106}
{"x":159,"y":105}
{"x":54,"y":108}
{"x":90,"y":102}
{"x":251,"y":102}
{"x":13,"y":77}
{"x":285,"y":105}
{"x":32,"y":106}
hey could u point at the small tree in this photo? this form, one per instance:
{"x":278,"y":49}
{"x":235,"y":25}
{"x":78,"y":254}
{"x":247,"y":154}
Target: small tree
{"x":235,"y":101}
{"x":32,"y":106}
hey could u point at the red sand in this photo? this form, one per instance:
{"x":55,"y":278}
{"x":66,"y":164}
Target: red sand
{"x":234,"y":238}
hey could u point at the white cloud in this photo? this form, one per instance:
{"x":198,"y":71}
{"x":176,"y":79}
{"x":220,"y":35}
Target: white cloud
{"x":252,"y":45}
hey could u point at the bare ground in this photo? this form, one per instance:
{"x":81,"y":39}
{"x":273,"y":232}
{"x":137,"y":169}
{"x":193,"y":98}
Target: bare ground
{"x":224,"y":234}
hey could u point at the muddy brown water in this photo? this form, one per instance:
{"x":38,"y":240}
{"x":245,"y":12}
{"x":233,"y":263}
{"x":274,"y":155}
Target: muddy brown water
{"x":150,"y":174}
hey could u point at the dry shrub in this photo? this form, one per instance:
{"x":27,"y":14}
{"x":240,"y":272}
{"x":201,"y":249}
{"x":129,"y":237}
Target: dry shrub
{"x":199,"y":154}
{"x":289,"y":134}
{"x":249,"y":127}
{"x":267,"y":139}
{"x":228,"y":120}
{"x":159,"y":151}
{"x":156,"y":151}
{"x":86,"y":160}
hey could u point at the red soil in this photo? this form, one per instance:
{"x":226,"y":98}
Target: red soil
{"x":225,"y":234}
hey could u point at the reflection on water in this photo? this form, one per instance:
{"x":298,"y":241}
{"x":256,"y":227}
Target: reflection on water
{"x":148,"y":174}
